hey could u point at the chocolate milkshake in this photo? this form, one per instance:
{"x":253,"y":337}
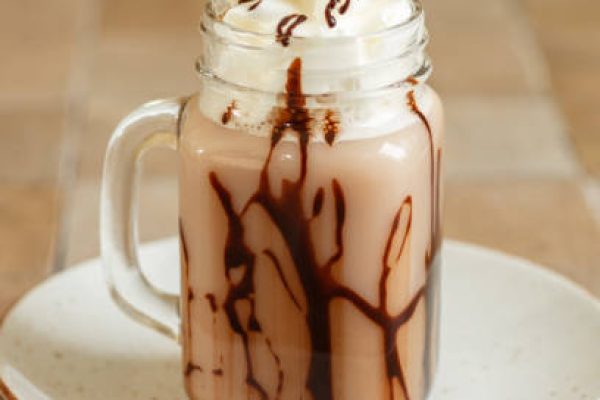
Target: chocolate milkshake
{"x":310,"y":168}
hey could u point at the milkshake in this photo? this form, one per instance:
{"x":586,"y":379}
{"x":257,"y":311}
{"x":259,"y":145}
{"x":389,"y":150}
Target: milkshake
{"x":310,"y":168}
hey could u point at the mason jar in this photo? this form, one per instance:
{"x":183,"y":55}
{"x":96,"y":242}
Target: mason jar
{"x":310,"y":190}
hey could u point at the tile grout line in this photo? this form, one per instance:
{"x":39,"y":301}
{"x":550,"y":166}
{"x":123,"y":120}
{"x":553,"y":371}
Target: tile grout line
{"x":537,"y":69}
{"x":591,"y":193}
{"x":76,"y":103}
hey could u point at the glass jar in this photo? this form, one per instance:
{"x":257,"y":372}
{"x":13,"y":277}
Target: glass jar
{"x":310,"y":186}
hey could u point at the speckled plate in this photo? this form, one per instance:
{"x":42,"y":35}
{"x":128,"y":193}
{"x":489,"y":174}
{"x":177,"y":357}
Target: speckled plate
{"x":510,"y":330}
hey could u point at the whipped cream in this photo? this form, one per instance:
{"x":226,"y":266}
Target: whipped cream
{"x":360,"y":16}
{"x":371,"y":45}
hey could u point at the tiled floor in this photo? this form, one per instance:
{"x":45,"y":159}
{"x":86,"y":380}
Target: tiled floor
{"x":520,"y":79}
{"x":28,"y":215}
{"x":510,"y":136}
{"x":37,"y":42}
{"x":546,"y":220}
{"x":569,"y":33}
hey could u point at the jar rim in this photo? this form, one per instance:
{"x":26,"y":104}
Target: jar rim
{"x":399,"y":60}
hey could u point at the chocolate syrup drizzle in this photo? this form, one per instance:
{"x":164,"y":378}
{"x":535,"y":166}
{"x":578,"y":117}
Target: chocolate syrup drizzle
{"x":331,"y":6}
{"x":285,"y":27}
{"x":228,"y":113}
{"x":212,"y":302}
{"x":189,"y":366}
{"x":253,"y":6}
{"x":331,"y":127}
{"x":434,"y":178}
{"x":319,"y":287}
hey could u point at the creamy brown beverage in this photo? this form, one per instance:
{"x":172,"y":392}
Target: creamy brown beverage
{"x":310,"y":223}
{"x":330,"y":273}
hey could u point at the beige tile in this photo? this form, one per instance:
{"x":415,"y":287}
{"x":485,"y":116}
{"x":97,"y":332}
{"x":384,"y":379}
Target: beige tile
{"x":571,"y":48}
{"x":150,"y":16}
{"x":27,"y":225}
{"x":36,"y":40}
{"x":462,"y":12}
{"x":576,"y":80}
{"x":131,"y":70}
{"x":484,"y":48}
{"x":506,"y":136}
{"x":31,"y":144}
{"x":569,"y":34}
{"x":580,"y":97}
{"x":560,"y":13}
{"x":157,"y":216}
{"x":146,"y":51}
{"x":545,"y":221}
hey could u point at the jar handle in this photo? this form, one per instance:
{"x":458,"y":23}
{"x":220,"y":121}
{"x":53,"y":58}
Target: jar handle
{"x":155,"y":124}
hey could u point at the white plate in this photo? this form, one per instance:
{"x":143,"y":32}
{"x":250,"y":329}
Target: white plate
{"x":510,"y":331}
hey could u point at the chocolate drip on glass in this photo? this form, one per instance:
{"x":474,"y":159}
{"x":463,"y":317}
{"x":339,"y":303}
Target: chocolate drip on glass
{"x":331,"y":127}
{"x":212,"y":302}
{"x":285,"y":27}
{"x":189,"y":366}
{"x":330,"y":7}
{"x":228,"y":114}
{"x":435,"y":240}
{"x":319,"y":287}
{"x":253,"y":6}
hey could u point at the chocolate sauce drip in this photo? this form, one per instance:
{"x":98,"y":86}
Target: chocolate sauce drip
{"x":284,"y":281}
{"x":318,"y":202}
{"x":412,"y":80}
{"x":434,"y":174}
{"x":436,"y":234}
{"x":253,"y":6}
{"x":285,"y":27}
{"x":184,"y":250}
{"x":280,"y":375}
{"x":228,"y":114}
{"x":190,"y":367}
{"x":392,"y":359}
{"x":331,"y":127}
{"x":345,"y":7}
{"x":238,"y":255}
{"x":319,"y":287}
{"x":217,"y":372}
{"x":331,"y":22}
{"x":330,"y":7}
{"x":412,"y":104}
{"x":212,"y":301}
